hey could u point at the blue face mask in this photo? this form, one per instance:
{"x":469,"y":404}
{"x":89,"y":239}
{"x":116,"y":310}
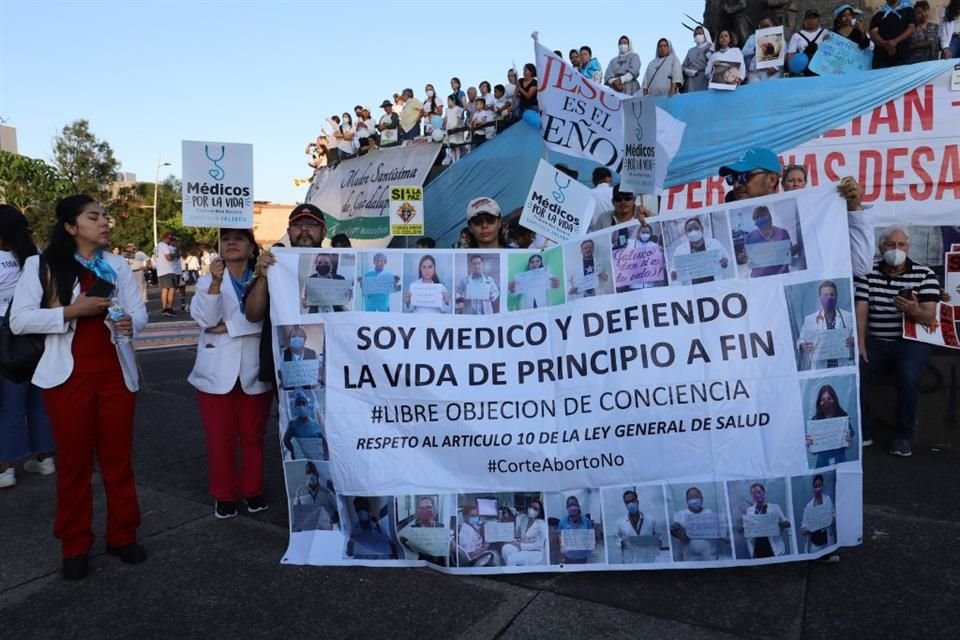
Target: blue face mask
{"x":644,"y":237}
{"x":363,"y":515}
{"x":297,"y":342}
{"x":301,"y":411}
{"x":633,"y":507}
{"x":474,"y":520}
{"x":763,"y":223}
{"x":695,"y":503}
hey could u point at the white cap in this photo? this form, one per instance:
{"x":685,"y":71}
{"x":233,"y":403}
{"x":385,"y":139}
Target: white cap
{"x":482,"y":204}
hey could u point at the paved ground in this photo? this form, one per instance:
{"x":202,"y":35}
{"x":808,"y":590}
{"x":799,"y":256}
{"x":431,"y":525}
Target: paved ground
{"x":211,"y":578}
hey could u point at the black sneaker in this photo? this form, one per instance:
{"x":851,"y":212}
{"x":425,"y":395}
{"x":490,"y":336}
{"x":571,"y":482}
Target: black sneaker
{"x":168,"y":313}
{"x":132,"y":553}
{"x":75,"y":567}
{"x":901,"y":448}
{"x":256,"y":504}
{"x":224,"y":509}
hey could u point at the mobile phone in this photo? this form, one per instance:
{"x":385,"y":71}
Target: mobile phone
{"x":100,"y":289}
{"x":906,"y":293}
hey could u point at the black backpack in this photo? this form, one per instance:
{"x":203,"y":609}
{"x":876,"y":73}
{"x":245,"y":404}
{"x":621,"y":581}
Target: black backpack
{"x":20,"y":354}
{"x":811,"y":49}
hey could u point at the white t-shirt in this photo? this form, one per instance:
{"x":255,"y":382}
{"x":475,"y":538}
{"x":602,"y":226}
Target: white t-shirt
{"x":165,"y":266}
{"x":797,"y":42}
{"x":346,"y":146}
{"x":482,"y":117}
{"x":9,"y":275}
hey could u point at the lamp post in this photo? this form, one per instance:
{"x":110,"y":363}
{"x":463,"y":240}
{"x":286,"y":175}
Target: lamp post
{"x":156,"y":186}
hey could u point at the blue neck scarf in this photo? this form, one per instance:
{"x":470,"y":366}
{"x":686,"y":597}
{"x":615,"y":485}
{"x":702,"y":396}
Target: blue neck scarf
{"x":98,"y":266}
{"x":239,"y":286}
{"x":887,"y":9}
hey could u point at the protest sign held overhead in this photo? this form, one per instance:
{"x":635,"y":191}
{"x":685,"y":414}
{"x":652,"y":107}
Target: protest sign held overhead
{"x":217,"y":187}
{"x":639,"y":171}
{"x":837,"y":55}
{"x":578,"y":116}
{"x":558,"y":207}
{"x":771,"y":48}
{"x":681,"y":381}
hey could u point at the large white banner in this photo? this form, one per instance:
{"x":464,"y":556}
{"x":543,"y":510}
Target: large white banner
{"x":494,"y":411}
{"x":905,"y":153}
{"x":217,"y":187}
{"x":356,"y":192}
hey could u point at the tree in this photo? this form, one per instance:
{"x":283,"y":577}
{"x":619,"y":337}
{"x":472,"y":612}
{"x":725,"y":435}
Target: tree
{"x":84,"y":161}
{"x":34,"y":187}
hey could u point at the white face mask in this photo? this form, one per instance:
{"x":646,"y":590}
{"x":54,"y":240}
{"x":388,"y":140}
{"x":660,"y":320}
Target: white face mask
{"x":624,"y":48}
{"x":894,"y":257}
{"x":532,"y":513}
{"x":699,"y":38}
{"x":694,"y":235}
{"x":430,"y":93}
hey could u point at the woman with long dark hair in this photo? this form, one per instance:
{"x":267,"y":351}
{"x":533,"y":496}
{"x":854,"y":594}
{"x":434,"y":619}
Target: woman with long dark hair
{"x":88,"y":373}
{"x":950,"y":29}
{"x":234,"y":404}
{"x":827,"y":408}
{"x":24,"y":427}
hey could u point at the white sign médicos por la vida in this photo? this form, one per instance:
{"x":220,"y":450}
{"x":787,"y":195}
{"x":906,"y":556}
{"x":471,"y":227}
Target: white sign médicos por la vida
{"x":217,"y":188}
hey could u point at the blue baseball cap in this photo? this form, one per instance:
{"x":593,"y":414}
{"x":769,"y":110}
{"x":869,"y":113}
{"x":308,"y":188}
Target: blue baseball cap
{"x":751,"y":160}
{"x":840,"y":8}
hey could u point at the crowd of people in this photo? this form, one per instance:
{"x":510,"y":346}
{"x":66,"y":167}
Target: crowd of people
{"x":88,"y":302}
{"x":900,"y":33}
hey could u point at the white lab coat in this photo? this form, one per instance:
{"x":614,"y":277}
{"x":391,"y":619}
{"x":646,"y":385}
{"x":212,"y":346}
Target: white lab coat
{"x":625,"y":530}
{"x":222,"y":358}
{"x":56,"y":363}
{"x":816,"y":322}
{"x":776,"y":542}
{"x":533,"y":544}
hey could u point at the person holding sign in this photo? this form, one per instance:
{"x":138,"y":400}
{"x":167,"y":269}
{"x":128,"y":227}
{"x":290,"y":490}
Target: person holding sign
{"x":427,"y":294}
{"x":700,"y":545}
{"x":234,"y":404}
{"x":368,"y":539}
{"x":88,"y":374}
{"x":377,"y":285}
{"x":755,"y":530}
{"x":589,"y":274}
{"x":639,"y":261}
{"x":305,"y":431}
{"x":766,"y":233}
{"x":301,"y":368}
{"x":697,"y":243}
{"x":805,"y":43}
{"x":633,"y":528}
{"x":828,"y":318}
{"x":427,"y":517}
{"x":844,"y":24}
{"x":325,"y":269}
{"x":319,"y":501}
{"x":470,"y":536}
{"x":574,"y":520}
{"x":531,"y":544}
{"x":828,"y":408}
{"x":533,"y":285}
{"x":727,"y":52}
{"x":477,"y":293}
{"x":818,"y":518}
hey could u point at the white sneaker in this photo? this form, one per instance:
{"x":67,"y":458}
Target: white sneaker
{"x":44,"y":467}
{"x":8,"y":478}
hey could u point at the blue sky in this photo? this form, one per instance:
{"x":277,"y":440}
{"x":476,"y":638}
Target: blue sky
{"x":150,"y":74}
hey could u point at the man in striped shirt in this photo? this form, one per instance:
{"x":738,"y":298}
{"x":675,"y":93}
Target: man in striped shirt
{"x":897,"y":287}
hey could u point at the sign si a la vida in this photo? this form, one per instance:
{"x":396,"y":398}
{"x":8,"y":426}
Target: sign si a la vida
{"x":217,"y":186}
{"x":904,"y":153}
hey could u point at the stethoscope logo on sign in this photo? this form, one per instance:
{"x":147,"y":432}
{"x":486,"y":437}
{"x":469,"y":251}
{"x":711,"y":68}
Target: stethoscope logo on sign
{"x":217,"y":172}
{"x":638,"y":115}
{"x":558,"y":195}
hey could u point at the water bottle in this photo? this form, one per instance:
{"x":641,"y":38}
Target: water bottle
{"x":114,"y":313}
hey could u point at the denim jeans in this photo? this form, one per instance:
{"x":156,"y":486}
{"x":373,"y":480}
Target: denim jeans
{"x":410,"y":135}
{"x":908,"y":359}
{"x":24,"y":427}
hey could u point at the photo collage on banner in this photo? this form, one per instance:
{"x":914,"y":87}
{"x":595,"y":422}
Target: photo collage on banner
{"x":808,"y":506}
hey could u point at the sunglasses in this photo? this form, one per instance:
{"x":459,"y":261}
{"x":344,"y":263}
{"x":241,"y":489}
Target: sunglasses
{"x":743,"y":178}
{"x":621,"y":198}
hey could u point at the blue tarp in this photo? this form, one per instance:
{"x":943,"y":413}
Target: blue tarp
{"x":779,"y":115}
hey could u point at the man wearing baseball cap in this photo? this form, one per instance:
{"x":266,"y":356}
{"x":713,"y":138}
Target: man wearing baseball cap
{"x":483,"y":220}
{"x":756,"y":173}
{"x":306,"y":227}
{"x":807,"y":39}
